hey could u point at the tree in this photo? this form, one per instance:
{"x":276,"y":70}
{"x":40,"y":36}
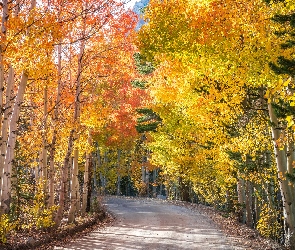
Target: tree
{"x":209,"y":58}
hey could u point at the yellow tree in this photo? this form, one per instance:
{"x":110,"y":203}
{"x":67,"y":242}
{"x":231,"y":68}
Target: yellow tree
{"x":208,"y":56}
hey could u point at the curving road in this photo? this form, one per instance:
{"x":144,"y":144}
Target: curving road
{"x":153,"y":224}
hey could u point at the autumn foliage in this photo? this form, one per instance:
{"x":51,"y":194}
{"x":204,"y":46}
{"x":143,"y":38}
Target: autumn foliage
{"x":227,"y":131}
{"x":66,"y":69}
{"x":197,"y":105}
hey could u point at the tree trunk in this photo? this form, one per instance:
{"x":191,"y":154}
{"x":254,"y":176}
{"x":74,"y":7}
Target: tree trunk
{"x":64,"y":179}
{"x":118,"y":172}
{"x":97,"y":165}
{"x":249,"y":211}
{"x":103,"y":179}
{"x":184,"y":189}
{"x":285,"y":189}
{"x":5,"y":15}
{"x":43,"y":153}
{"x":6,"y":118}
{"x":89,"y":191}
{"x":55,"y":120}
{"x":86,"y":182}
{"x":75,"y":184}
{"x":143,"y":174}
{"x":154,"y":183}
{"x":9,"y":155}
{"x":241,"y":200}
{"x":74,"y":187}
{"x":257,"y":206}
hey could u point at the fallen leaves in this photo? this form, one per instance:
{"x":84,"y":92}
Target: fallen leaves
{"x":238,"y":234}
{"x":42,"y":240}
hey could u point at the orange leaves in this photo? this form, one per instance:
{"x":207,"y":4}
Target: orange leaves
{"x":46,"y":41}
{"x":121,"y":103}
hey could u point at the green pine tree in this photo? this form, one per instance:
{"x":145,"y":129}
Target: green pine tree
{"x":149,"y":120}
{"x":285,"y":65}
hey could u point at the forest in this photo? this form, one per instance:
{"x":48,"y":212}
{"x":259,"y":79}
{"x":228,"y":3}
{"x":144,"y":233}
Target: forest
{"x":196,"y":105}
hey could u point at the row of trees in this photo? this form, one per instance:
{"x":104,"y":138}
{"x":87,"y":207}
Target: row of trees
{"x":205,"y":111}
{"x":223,"y":86}
{"x":67,"y":104}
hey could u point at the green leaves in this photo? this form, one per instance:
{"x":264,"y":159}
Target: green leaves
{"x":149,"y":121}
{"x":142,"y":66}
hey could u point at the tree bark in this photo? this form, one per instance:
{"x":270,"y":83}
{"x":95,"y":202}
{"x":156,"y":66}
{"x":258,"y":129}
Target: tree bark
{"x":75,"y":184}
{"x":285,"y":189}
{"x":241,"y":200}
{"x":6,"y":118}
{"x":118,"y":172}
{"x":64,"y":179}
{"x":9,"y":155}
{"x":249,"y":204}
{"x":103,"y":178}
{"x":74,"y":187}
{"x":86,"y":182}
{"x":43,"y":153}
{"x":89,"y":191}
{"x":55,"y":130}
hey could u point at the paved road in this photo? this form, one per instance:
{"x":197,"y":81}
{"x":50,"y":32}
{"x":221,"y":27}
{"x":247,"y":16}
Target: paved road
{"x":153,"y":224}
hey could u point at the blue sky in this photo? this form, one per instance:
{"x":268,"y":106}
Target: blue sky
{"x":130,"y":3}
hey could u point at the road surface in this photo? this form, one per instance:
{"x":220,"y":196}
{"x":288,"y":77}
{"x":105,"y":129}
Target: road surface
{"x":153,"y":224}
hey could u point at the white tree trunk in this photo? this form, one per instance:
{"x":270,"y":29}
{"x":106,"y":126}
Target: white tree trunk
{"x":285,"y":189}
{"x":6,"y":118}
{"x":75,"y":184}
{"x":9,"y":155}
{"x":64,"y":179}
{"x":74,"y":187}
{"x":43,"y":152}
{"x":55,"y":120}
{"x":5,"y":15}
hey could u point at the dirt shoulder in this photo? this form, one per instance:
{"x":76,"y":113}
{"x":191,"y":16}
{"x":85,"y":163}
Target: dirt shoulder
{"x":42,"y":240}
{"x":239,"y":234}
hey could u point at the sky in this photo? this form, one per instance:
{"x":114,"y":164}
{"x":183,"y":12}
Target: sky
{"x":130,"y":3}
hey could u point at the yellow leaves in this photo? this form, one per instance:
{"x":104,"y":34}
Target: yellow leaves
{"x":290,"y":120}
{"x":286,"y":83}
{"x":282,"y":176}
{"x":268,"y":224}
{"x":210,"y":78}
{"x":38,"y":216}
{"x":6,"y":226}
{"x":283,"y":7}
{"x":290,"y":5}
{"x":281,"y":142}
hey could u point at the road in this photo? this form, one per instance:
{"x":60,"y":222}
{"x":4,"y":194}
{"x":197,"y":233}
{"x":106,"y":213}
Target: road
{"x":153,"y":224}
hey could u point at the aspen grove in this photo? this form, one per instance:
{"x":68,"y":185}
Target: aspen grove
{"x":63,"y":67}
{"x":196,"y":105}
{"x":223,"y":86}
